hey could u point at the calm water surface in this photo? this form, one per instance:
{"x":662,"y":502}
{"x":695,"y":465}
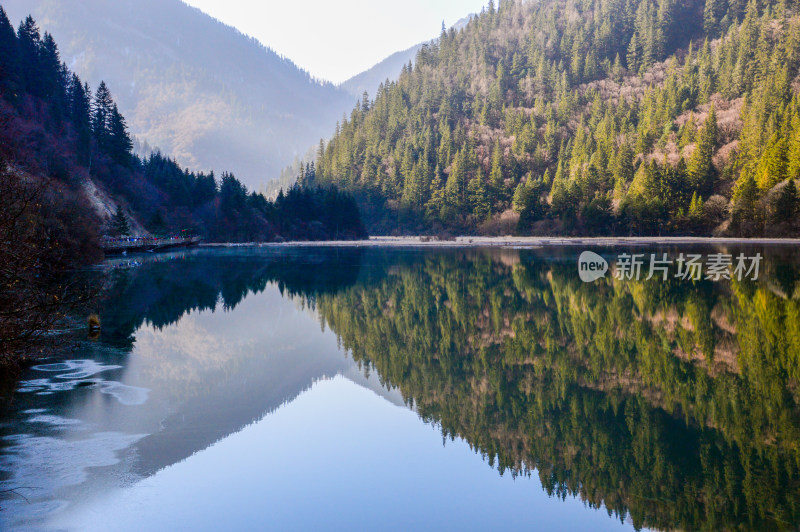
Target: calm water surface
{"x":360,"y":389}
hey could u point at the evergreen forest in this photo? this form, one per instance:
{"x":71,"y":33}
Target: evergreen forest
{"x":586,"y":117}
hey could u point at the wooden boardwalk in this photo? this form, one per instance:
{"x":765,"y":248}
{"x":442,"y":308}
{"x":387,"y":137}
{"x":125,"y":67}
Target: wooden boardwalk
{"x":117,"y":246}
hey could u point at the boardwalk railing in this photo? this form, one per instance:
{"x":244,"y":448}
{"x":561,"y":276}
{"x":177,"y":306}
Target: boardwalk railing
{"x":118,"y":245}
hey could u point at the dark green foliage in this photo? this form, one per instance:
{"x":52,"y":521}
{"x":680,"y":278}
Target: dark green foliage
{"x":317,"y":214}
{"x":79,"y":99}
{"x":102,"y":107}
{"x":745,"y":212}
{"x":9,"y":55}
{"x":29,"y":48}
{"x":787,"y":204}
{"x":528,"y":202}
{"x":119,"y":223}
{"x":120,"y":145}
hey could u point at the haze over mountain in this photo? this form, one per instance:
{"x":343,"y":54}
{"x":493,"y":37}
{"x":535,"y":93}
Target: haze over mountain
{"x":195,"y":88}
{"x":389,"y":68}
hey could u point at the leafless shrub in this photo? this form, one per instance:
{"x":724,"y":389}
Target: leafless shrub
{"x":716,"y":209}
{"x":504,"y":223}
{"x":36,"y":251}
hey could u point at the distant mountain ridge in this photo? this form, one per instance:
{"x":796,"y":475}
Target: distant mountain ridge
{"x":197,"y":89}
{"x":389,"y":68}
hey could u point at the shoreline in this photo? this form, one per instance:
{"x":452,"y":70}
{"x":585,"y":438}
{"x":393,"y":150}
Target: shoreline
{"x":517,"y":242}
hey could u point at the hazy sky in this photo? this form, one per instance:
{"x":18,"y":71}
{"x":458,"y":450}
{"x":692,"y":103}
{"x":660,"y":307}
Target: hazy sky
{"x":335,"y":40}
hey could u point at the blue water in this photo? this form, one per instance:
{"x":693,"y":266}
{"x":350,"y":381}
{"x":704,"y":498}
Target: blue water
{"x":319,"y":390}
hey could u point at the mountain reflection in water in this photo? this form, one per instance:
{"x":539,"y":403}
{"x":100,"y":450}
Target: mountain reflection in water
{"x":666,"y":404}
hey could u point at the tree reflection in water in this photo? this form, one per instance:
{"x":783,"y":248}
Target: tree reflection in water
{"x":675,"y":403}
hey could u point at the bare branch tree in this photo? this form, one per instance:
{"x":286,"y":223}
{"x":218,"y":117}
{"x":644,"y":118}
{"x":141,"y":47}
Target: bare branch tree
{"x":36,"y":290}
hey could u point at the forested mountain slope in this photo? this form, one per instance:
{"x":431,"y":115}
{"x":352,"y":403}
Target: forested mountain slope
{"x":587,"y":117}
{"x":190,"y":85}
{"x":57,"y":134}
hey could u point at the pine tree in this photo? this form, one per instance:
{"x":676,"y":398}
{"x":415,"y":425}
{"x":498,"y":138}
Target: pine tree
{"x":119,"y":223}
{"x":696,"y":207}
{"x":364,"y":102}
{"x":701,"y":168}
{"x":787,"y":204}
{"x":79,"y":114}
{"x":711,"y":15}
{"x":9,"y":58}
{"x":745,"y":198}
{"x":521,"y":193}
{"x":312,"y":174}
{"x":29,"y":43}
{"x":479,"y":203}
{"x":634,"y":54}
{"x":773,"y":167}
{"x":687,"y":133}
{"x":120,"y":145}
{"x":623,"y":169}
{"x":435,"y":204}
{"x":53,"y":86}
{"x":529,"y":204}
{"x":793,"y":155}
{"x":708,"y":77}
{"x":496,"y":173}
{"x":102,"y":107}
{"x":453,"y":189}
{"x":320,"y":152}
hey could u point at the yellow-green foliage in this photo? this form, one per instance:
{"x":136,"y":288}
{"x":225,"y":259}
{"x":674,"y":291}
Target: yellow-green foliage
{"x":595,"y":92}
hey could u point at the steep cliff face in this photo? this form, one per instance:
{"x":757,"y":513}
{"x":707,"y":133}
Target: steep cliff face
{"x":104,"y":206}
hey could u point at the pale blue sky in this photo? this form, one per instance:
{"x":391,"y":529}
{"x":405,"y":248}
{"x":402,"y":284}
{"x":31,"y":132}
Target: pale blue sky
{"x":335,"y":40}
